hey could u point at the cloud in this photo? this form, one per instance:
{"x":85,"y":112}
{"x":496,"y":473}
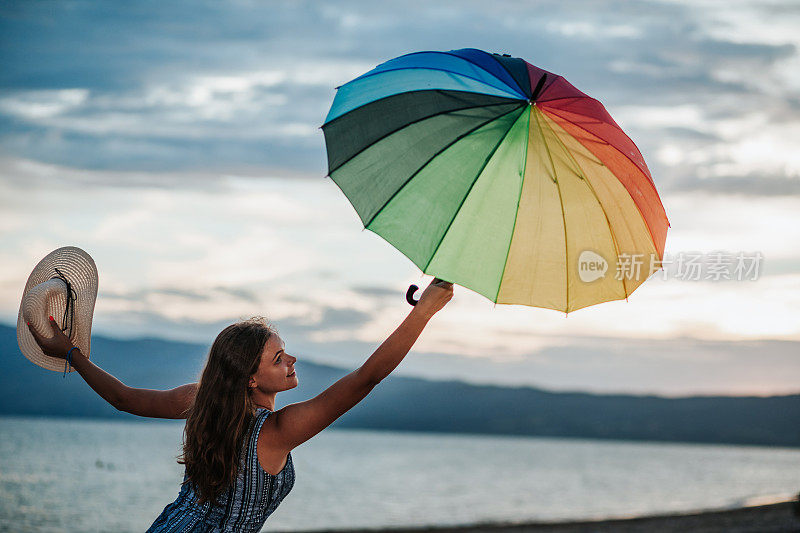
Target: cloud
{"x":172,"y":143}
{"x":676,"y":367}
{"x":143,"y":296}
{"x":293,"y":248}
{"x":751,"y":185}
{"x":376,"y":292}
{"x":326,"y":318}
{"x":602,"y":364}
{"x":143,"y":89}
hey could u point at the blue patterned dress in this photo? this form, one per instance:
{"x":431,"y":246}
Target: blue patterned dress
{"x":245,"y":506}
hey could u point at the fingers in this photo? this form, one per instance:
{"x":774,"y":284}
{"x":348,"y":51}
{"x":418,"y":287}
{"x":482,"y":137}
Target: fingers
{"x":436,"y":296}
{"x":55,"y":346}
{"x":441,"y":283}
{"x":54,"y":326}
{"x":38,"y":338}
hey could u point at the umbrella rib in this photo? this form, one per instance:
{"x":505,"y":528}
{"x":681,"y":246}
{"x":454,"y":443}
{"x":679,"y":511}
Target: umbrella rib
{"x":372,"y":74}
{"x":563,"y":215}
{"x":434,"y":156}
{"x":343,"y":163}
{"x":516,"y":213}
{"x":522,"y":91}
{"x":464,"y":199}
{"x":387,"y":97}
{"x":649,"y":180}
{"x":451,"y":54}
{"x":594,"y":193}
{"x":521,"y":88}
{"x":550,"y":84}
{"x":649,"y":229}
{"x":502,"y":66}
{"x":467,"y":60}
{"x":585,"y":96}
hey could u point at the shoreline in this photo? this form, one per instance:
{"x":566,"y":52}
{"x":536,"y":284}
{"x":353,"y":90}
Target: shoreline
{"x":775,"y":517}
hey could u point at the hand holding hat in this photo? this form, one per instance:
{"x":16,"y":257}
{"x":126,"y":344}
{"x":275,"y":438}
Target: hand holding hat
{"x":58,"y":345}
{"x":62,"y":285}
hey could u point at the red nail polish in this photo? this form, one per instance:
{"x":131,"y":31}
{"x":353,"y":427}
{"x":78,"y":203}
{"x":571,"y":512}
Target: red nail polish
{"x":51,"y":317}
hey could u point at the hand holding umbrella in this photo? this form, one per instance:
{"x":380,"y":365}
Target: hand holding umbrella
{"x":435,"y":282}
{"x":433,"y":298}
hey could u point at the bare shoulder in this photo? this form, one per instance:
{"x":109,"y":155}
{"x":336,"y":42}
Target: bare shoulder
{"x":297,"y":422}
{"x":269,"y":426}
{"x":272,"y":455}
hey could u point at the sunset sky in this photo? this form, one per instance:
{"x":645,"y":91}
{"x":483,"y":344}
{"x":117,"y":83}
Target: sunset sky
{"x":179,"y":144}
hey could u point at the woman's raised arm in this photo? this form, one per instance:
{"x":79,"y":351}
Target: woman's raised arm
{"x":298,"y":422}
{"x":173,"y":403}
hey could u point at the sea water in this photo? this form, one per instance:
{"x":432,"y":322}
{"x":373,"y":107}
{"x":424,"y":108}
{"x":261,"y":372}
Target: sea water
{"x":96,"y":475}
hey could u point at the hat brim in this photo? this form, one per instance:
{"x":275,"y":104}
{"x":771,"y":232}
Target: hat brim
{"x":80,"y":270}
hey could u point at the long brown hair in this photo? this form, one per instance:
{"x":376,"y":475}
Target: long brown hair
{"x":223,"y":408}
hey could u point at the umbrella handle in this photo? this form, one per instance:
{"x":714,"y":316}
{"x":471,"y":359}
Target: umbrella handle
{"x":412,"y":289}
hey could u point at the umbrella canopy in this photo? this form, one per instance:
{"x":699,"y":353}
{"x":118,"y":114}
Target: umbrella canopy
{"x":499,"y":176}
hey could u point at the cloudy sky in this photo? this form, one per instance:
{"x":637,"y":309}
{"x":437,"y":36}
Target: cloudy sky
{"x":179,"y":144}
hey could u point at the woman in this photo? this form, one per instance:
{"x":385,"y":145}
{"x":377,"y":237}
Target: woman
{"x":236,"y":448}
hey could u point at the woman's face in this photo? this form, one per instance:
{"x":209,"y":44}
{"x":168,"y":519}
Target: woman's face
{"x":275,"y":372}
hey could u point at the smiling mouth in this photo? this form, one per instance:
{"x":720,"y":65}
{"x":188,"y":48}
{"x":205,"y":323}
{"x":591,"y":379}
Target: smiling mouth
{"x":292,"y":374}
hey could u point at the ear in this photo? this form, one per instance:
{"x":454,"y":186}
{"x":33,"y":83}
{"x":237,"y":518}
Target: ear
{"x":252,"y":383}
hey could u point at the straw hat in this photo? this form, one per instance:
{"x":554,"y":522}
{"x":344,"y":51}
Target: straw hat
{"x":63,"y":285}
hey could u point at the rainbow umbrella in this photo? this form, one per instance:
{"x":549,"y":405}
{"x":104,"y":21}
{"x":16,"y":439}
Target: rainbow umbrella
{"x":491,"y":173}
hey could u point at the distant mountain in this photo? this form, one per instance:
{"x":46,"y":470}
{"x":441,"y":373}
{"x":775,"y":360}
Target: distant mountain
{"x":402,"y":403}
